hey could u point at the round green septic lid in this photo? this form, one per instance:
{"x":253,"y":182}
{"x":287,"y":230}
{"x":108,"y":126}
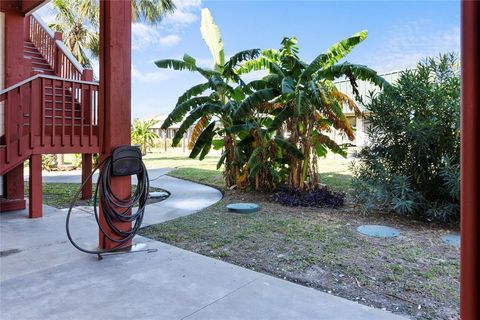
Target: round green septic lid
{"x":243,"y":207}
{"x":378,"y":231}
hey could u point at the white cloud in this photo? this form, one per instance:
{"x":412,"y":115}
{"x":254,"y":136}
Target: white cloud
{"x":144,"y":36}
{"x":188,"y":4}
{"x":186,"y":13}
{"x":404,"y":46}
{"x":148,"y":76}
{"x":170,"y":40}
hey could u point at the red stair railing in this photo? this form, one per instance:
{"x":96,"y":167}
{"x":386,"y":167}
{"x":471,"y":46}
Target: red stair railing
{"x":50,"y":45}
{"x":47,"y":114}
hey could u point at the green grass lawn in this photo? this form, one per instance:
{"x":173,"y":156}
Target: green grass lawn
{"x":176,"y":158}
{"x":209,"y":177}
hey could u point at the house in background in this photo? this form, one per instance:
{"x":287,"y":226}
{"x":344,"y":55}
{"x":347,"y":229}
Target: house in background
{"x":359,"y":123}
{"x":166,"y":135}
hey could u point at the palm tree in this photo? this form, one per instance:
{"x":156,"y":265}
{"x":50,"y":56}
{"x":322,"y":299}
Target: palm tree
{"x":143,"y":135}
{"x":151,"y":11}
{"x":78,"y":20}
{"x":302,"y":99}
{"x":214,"y":101}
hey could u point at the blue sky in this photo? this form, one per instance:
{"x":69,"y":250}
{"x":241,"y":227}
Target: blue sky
{"x":400,"y":34}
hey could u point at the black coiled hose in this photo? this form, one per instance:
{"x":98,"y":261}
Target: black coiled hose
{"x":114,"y":208}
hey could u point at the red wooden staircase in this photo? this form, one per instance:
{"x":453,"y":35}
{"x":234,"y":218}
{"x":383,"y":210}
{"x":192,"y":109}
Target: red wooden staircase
{"x":39,"y":64}
{"x":53,"y":111}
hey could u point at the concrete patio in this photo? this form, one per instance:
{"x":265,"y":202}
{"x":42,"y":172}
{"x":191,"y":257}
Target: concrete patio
{"x":43,"y":277}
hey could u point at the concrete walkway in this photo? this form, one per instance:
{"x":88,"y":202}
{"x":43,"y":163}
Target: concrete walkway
{"x":43,"y":277}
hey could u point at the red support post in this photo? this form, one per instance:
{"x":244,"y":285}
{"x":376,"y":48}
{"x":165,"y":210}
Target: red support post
{"x":470,"y":160}
{"x":57,"y":64}
{"x":35,"y":209}
{"x":14,"y":26}
{"x":86,"y":158}
{"x":86,"y":170}
{"x":26,"y":33}
{"x":115,"y":92}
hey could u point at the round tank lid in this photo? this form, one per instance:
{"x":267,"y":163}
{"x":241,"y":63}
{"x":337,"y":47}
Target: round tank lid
{"x":243,"y":207}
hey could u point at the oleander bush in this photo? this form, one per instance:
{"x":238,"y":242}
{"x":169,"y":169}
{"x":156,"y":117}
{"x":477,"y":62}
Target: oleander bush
{"x":412,"y":165}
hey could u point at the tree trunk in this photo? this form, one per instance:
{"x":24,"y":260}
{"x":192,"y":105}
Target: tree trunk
{"x":231,"y":171}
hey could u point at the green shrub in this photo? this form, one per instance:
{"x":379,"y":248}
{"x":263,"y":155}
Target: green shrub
{"x":49,"y":162}
{"x":412,"y":163}
{"x":77,"y":161}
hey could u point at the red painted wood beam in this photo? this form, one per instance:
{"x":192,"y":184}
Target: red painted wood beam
{"x":87,"y":158}
{"x":470,"y":160}
{"x":115,"y":91}
{"x":29,"y":5}
{"x":35,"y":209}
{"x":86,"y":170}
{"x":14,"y":26}
{"x":11,"y":5}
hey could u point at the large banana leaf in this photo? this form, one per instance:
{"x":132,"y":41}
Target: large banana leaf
{"x":222,"y":159}
{"x":289,"y":147}
{"x":302,"y":103}
{"x":254,"y":100}
{"x":175,"y":64}
{"x":321,"y":141}
{"x":287,"y":85}
{"x":236,"y":59}
{"x":334,"y":53}
{"x":244,"y":127}
{"x":180,"y":110}
{"x":358,"y":71}
{"x":204,"y":110}
{"x":193,"y":91}
{"x":203,"y":141}
{"x":260,"y":63}
{"x":188,"y":63}
{"x":278,"y":121}
{"x":217,"y":84}
{"x":212,"y":37}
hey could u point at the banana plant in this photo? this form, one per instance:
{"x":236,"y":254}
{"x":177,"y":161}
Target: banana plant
{"x":209,"y":107}
{"x":302,"y":101}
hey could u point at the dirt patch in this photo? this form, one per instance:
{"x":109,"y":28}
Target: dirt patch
{"x":415,"y":274}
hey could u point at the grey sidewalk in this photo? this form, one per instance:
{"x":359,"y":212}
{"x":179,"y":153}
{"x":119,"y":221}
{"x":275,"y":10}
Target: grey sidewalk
{"x":43,"y":277}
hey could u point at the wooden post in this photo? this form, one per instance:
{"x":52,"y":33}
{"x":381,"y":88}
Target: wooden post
{"x":57,"y":67}
{"x":14,"y":72}
{"x":470,"y":160}
{"x":35,"y":209}
{"x":86,"y":170}
{"x":26,"y":33}
{"x":115,"y":93}
{"x":87,"y":158}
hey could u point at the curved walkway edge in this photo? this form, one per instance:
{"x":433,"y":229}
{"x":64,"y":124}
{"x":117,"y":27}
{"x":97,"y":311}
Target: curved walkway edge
{"x":43,"y":277}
